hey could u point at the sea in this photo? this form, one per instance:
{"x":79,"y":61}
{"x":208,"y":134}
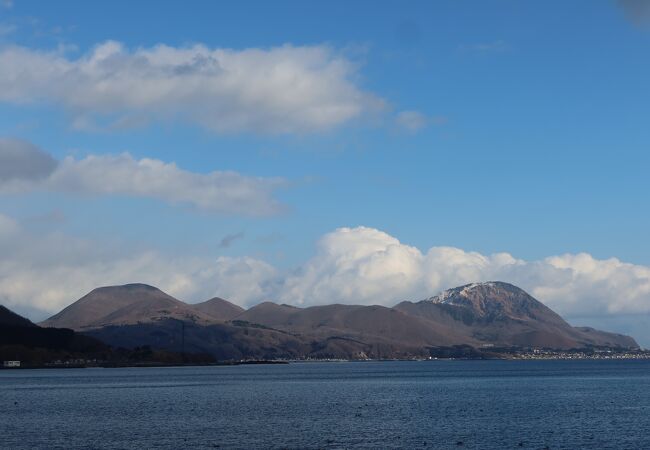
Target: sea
{"x":332,"y":405}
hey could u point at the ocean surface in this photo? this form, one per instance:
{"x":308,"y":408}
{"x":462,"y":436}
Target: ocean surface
{"x":430,"y":404}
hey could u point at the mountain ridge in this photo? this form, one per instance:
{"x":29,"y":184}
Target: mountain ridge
{"x":478,"y":315}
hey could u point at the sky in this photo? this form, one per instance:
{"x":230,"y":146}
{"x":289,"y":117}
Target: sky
{"x":311,"y":153}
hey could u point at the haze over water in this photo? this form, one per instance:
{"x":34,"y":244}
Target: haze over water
{"x":436,"y":404}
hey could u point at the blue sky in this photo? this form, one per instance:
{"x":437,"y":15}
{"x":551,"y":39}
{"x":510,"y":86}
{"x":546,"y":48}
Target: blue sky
{"x":501,"y":126}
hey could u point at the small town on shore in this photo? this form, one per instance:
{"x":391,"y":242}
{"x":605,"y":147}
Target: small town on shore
{"x":582,"y":354}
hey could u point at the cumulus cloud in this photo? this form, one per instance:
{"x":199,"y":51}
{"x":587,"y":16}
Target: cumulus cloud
{"x":351,"y":265}
{"x":358,"y":265}
{"x":284,"y":89}
{"x":24,"y":168}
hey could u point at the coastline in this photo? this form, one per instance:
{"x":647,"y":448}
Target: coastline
{"x":539,"y":356}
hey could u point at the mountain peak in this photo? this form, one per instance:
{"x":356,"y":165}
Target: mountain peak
{"x":493,"y":300}
{"x":122,"y":305}
{"x":485,"y":289}
{"x":219,"y":308}
{"x":128,"y":287}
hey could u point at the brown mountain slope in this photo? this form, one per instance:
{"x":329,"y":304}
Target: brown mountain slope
{"x":219,"y":309}
{"x":224,"y":341}
{"x":123,"y":305}
{"x":268,"y":313}
{"x":364,"y":323}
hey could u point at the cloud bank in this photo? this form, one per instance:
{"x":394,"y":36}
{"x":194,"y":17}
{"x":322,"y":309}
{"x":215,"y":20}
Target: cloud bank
{"x":283,"y":89}
{"x":42,"y":273}
{"x":26,"y":168}
{"x":351,"y":265}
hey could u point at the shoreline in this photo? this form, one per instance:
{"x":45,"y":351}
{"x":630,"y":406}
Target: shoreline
{"x":568,"y":357}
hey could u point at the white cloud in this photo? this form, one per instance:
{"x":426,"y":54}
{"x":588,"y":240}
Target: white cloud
{"x":48,"y":272}
{"x":228,"y":192}
{"x":355,"y":265}
{"x":25,"y":168}
{"x":278,"y":90}
{"x":42,"y":273}
{"x":366,"y":266}
{"x":351,"y":265}
{"x":243,"y":280}
{"x":591,"y":286}
{"x":414,"y":121}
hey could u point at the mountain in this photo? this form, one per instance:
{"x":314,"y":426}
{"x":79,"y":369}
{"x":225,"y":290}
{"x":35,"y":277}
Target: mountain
{"x":219,"y":309}
{"x":10,"y":318}
{"x":268,"y":313}
{"x":124,"y":305}
{"x":22,"y":340}
{"x":501,"y":314}
{"x":477,"y":315}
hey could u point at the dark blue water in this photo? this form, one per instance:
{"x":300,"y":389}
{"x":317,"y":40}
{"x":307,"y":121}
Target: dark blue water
{"x":437,"y":404}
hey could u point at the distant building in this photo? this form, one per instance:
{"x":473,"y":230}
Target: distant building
{"x":11,"y":364}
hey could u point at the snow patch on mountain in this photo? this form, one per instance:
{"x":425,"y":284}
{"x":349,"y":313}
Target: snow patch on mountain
{"x":448,"y":295}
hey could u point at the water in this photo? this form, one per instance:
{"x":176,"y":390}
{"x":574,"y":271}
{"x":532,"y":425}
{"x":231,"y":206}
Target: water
{"x":436,"y":404}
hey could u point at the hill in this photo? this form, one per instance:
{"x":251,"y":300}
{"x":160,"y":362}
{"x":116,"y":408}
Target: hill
{"x":219,"y":309}
{"x":124,"y":305}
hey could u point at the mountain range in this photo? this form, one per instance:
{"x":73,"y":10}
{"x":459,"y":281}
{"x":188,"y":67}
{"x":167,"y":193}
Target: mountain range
{"x":480,"y":315}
